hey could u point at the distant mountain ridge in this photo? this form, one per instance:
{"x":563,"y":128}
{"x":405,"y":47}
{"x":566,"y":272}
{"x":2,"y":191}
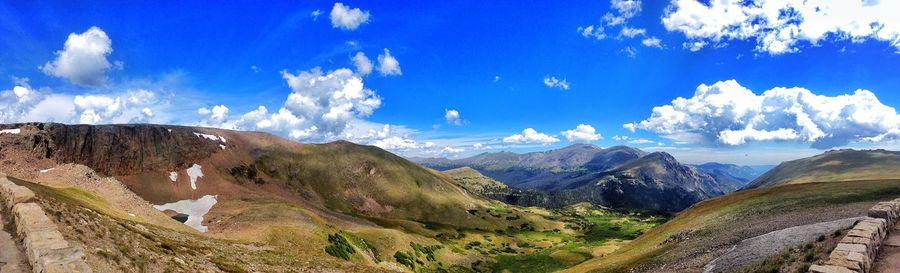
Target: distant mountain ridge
{"x":833,"y":166}
{"x":618,"y":176}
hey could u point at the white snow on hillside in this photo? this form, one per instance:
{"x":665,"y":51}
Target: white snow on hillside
{"x":195,"y":173}
{"x":195,"y":210}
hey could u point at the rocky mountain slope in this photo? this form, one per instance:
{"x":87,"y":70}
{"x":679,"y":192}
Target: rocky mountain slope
{"x":542,"y":170}
{"x":835,"y":165}
{"x":255,"y":187}
{"x":618,"y":176}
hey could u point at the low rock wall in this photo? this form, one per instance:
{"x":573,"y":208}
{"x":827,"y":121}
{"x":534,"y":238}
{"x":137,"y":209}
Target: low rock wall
{"x":856,"y":252}
{"x":45,"y":248}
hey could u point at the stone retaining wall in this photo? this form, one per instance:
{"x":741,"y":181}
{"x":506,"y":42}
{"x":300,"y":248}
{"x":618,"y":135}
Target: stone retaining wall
{"x":46,"y":249}
{"x":856,"y":252}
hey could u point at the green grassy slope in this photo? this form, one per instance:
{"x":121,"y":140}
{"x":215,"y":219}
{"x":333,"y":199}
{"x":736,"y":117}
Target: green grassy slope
{"x":473,"y":181}
{"x":697,"y":234}
{"x":837,"y":165}
{"x":372,"y":183}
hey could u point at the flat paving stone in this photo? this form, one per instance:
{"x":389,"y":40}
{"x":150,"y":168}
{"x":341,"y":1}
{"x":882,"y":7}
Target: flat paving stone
{"x":888,"y":260}
{"x":12,"y":260}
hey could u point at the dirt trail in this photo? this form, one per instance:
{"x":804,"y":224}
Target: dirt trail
{"x":757,"y":249}
{"x":12,"y":259}
{"x":888,"y":261}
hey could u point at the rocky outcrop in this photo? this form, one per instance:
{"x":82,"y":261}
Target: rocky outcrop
{"x":46,"y":249}
{"x":117,"y":149}
{"x":856,"y":252}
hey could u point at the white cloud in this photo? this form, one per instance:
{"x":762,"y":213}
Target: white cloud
{"x":320,"y":105}
{"x":496,"y":78}
{"x":451,"y":150}
{"x":640,"y":141}
{"x":129,"y":107}
{"x":592,"y":31}
{"x":254,"y":69}
{"x":315,"y":14}
{"x":214,"y":116}
{"x":396,"y":143}
{"x":388,"y":65}
{"x":631,"y":140}
{"x":363,"y":64}
{"x":452,"y":117}
{"x":631,"y":52}
{"x":530,"y":136}
{"x":632,"y":32}
{"x":626,"y":8}
{"x":24,"y":104}
{"x":652,"y":42}
{"x":785,"y":26}
{"x":553,"y":82}
{"x":620,"y":12}
{"x":582,"y":133}
{"x":347,"y":18}
{"x":83,"y":58}
{"x":728,"y":113}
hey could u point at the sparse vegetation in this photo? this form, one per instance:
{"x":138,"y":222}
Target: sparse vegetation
{"x":339,"y":247}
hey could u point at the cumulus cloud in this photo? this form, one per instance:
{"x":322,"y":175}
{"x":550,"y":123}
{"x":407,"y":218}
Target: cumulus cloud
{"x":320,"y":105}
{"x":730,"y":114}
{"x":363,"y":64}
{"x":83,"y":58}
{"x":315,"y":14}
{"x":582,"y":133}
{"x":23,"y":104}
{"x":530,"y":136}
{"x":780,"y":27}
{"x":347,"y":18}
{"x":553,"y":82}
{"x":452,"y":117}
{"x":214,"y":116}
{"x":388,"y":65}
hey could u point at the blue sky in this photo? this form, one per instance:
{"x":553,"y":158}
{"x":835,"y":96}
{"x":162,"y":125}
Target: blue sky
{"x":491,"y":62}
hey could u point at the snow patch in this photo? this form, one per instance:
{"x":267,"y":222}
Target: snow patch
{"x":170,"y":130}
{"x":194,"y":172}
{"x":195,"y":210}
{"x":173,"y":176}
{"x":47,"y":170}
{"x":222,"y":146}
{"x":210,"y":137}
{"x":11,"y":131}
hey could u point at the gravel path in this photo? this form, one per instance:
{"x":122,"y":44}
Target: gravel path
{"x":888,"y":261}
{"x":757,"y":249}
{"x":11,"y":257}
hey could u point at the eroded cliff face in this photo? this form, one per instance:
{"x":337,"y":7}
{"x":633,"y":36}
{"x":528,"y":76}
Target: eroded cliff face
{"x":118,"y":150}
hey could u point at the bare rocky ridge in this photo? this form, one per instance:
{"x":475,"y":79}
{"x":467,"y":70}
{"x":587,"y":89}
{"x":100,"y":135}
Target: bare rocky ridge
{"x":114,"y":150}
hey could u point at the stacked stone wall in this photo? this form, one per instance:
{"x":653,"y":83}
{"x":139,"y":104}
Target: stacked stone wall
{"x":45,"y":248}
{"x":856,"y":252}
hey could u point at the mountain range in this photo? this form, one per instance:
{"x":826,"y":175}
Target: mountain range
{"x":618,"y":176}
